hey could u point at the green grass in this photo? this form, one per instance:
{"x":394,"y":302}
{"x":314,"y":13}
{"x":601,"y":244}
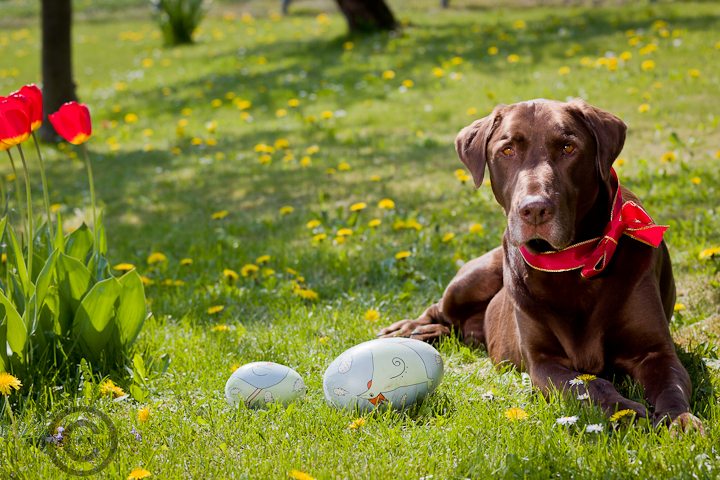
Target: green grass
{"x":159,"y":201}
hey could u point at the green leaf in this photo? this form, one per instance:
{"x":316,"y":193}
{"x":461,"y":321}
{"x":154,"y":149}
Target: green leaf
{"x":59,"y":242}
{"x":131,"y":311}
{"x":4,"y":361}
{"x":3,"y":222}
{"x":140,"y":374}
{"x":41,"y":288}
{"x":138,"y":393}
{"x":92,"y":321}
{"x":74,"y":280}
{"x":79,"y":243}
{"x":102,"y":237}
{"x":18,"y":260}
{"x":16,"y":328}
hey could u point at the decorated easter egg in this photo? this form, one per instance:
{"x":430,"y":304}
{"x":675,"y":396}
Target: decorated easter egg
{"x":387,"y":372}
{"x":259,"y":383}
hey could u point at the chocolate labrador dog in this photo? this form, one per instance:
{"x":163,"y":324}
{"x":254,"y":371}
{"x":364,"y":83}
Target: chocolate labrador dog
{"x":582,"y":287}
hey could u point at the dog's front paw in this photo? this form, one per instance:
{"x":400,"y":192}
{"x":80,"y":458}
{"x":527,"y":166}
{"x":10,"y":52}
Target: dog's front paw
{"x":686,"y":422}
{"x":419,"y":329}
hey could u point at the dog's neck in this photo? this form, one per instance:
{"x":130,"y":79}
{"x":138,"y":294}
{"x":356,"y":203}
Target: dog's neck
{"x":593,"y":223}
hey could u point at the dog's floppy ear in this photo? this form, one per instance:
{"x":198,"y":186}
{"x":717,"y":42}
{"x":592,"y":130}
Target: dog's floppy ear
{"x":609,"y":132}
{"x":471,"y":144}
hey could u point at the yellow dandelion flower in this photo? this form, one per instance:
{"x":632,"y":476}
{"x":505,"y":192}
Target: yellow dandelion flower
{"x":438,"y":72}
{"x":647,"y":65}
{"x":374,"y":223}
{"x":230,"y":275}
{"x":196,"y":141}
{"x":186,"y":261}
{"x":339,"y":240}
{"x":249,"y":269}
{"x":696,"y":180}
{"x":620,"y":414}
{"x":516,"y":413}
{"x":305,"y":161}
{"x":297,"y":474}
{"x":620,"y":161}
{"x":586,"y":377}
{"x":312,"y":149}
{"x":398,"y":225}
{"x":447,"y":237}
{"x":388,"y":74}
{"x":146,"y":281}
{"x":563,"y":70}
{"x":413,"y":223}
{"x":262,"y":259}
{"x":694,"y":72}
{"x":312,"y":224}
{"x":668,"y":157}
{"x":386,"y":203}
{"x":144,"y":414}
{"x":375,"y":178}
{"x":344,"y":231}
{"x":323,"y":340}
{"x":326,"y":114}
{"x":372,"y":315}
{"x":215,"y":309}
{"x":138,"y":474}
{"x":131,"y":118}
{"x":216,"y":103}
{"x":8,"y":382}
{"x":285,"y":210}
{"x":348,"y":45}
{"x":643,"y":108}
{"x":625,"y":56}
{"x":178,"y":283}
{"x":408,"y":83}
{"x":55,"y":207}
{"x":124,"y":267}
{"x":476,"y":228}
{"x":234,"y":367}
{"x":281,"y":113}
{"x":281,"y":143}
{"x":679,"y":306}
{"x":709,"y":252}
{"x":319,"y":237}
{"x":519,"y":24}
{"x":513,"y":58}
{"x":219,"y":215}
{"x":265,"y":159}
{"x":109,"y":388}
{"x":357,"y":423}
{"x":493,"y":50}
{"x":306,"y":294}
{"x":358,"y":206}
{"x":147,"y":62}
{"x":156,"y":257}
{"x":471,"y":111}
{"x":403,"y":254}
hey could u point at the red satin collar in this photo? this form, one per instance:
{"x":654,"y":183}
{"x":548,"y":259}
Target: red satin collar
{"x":593,"y":255}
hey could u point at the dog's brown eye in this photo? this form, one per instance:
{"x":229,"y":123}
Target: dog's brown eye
{"x":568,"y":149}
{"x":508,"y":151}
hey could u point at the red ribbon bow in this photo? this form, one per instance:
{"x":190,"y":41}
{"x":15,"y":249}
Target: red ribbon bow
{"x":593,"y":255}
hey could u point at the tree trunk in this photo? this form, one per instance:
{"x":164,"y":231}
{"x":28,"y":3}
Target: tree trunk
{"x":58,"y":85}
{"x":367,"y":15}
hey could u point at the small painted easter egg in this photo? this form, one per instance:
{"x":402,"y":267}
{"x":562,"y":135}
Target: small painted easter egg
{"x":387,"y":372}
{"x":259,"y":383}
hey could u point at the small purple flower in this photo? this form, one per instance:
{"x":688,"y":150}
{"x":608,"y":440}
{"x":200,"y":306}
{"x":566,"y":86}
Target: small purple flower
{"x":137,"y":434}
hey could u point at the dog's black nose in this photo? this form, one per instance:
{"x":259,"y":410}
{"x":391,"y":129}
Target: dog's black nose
{"x":536,"y":210}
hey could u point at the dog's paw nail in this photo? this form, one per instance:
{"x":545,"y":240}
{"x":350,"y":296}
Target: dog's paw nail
{"x":416,"y":333}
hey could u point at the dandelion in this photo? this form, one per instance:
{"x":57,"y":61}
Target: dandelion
{"x":594,"y":428}
{"x":709,"y":253}
{"x":281,"y":143}
{"x":387,"y":204}
{"x":668,"y":157}
{"x":643,"y":108}
{"x":306,"y":294}
{"x":215,"y":309}
{"x":625,"y":56}
{"x":493,"y":50}
{"x":7,"y":383}
{"x":108,"y":387}
{"x":131,"y":118}
{"x":358,"y":206}
{"x":388,"y":74}
{"x":344,"y":232}
{"x":516,"y":413}
{"x":620,"y":414}
{"x":286,"y":210}
{"x":305,"y":161}
{"x":265,"y":159}
{"x":471,"y":111}
{"x":586,"y":377}
{"x":313,"y":224}
{"x":156,"y":257}
{"x":220,"y":328}
{"x":374,"y":223}
{"x":407,"y":83}
{"x":55,"y":207}
{"x":293,"y":102}
{"x":696,"y":180}
{"x":565,"y":420}
{"x":319,"y":237}
{"x":219,"y":215}
{"x":357,"y":423}
{"x":563,"y":70}
{"x":375,"y":178}
{"x":144,"y":414}
{"x":281,"y":113}
{"x":326,"y":114}
{"x":518,"y":24}
{"x":348,"y":45}
{"x":297,"y":474}
{"x":146,"y":281}
{"x":312,"y":149}
{"x":647,"y":65}
{"x":476,"y":228}
{"x":248,"y":269}
{"x":186,"y":261}
{"x":447,"y":237}
{"x":372,"y":315}
{"x":124,"y":267}
{"x":438,"y":72}
{"x":413,"y":223}
{"x":513,"y":58}
{"x":230,"y":275}
{"x":403,"y":254}
{"x":620,"y":161}
{"x":343,"y":166}
{"x":138,"y":474}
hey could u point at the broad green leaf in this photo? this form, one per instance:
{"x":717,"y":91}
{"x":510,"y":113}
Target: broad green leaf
{"x":102,"y":237}
{"x":140,"y":373}
{"x":16,"y":328}
{"x":59,"y":242}
{"x":17,"y":259}
{"x":3,"y":222}
{"x":43,"y":282}
{"x":79,"y":243}
{"x":92,"y":321}
{"x":102,"y":270}
{"x":131,"y":311}
{"x":74,"y":280}
{"x":16,"y":292}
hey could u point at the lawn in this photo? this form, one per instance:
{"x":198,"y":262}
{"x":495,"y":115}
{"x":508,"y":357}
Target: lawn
{"x":224,"y":151}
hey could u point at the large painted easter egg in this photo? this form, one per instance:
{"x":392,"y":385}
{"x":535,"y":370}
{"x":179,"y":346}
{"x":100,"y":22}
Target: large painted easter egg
{"x":259,"y":383}
{"x":387,"y":372}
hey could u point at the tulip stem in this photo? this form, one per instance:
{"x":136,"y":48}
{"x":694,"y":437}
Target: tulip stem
{"x":17,"y":190}
{"x":12,"y":420}
{"x":31,"y":239}
{"x":92,"y":198}
{"x":45,"y":186}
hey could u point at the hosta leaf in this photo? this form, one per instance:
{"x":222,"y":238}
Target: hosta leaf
{"x":92,"y":321}
{"x":79,"y":243}
{"x":131,"y":311}
{"x":74,"y":280}
{"x":16,"y":328}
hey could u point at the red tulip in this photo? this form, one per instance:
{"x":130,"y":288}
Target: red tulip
{"x":14,"y":122}
{"x":35,"y":104}
{"x":72,"y":122}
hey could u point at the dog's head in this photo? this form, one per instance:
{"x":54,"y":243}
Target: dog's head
{"x":547,"y":161}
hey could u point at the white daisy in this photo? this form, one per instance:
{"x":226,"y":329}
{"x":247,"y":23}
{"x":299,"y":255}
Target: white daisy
{"x":567,"y":420}
{"x":594,"y":428}
{"x":576,"y":381}
{"x":584,"y":396}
